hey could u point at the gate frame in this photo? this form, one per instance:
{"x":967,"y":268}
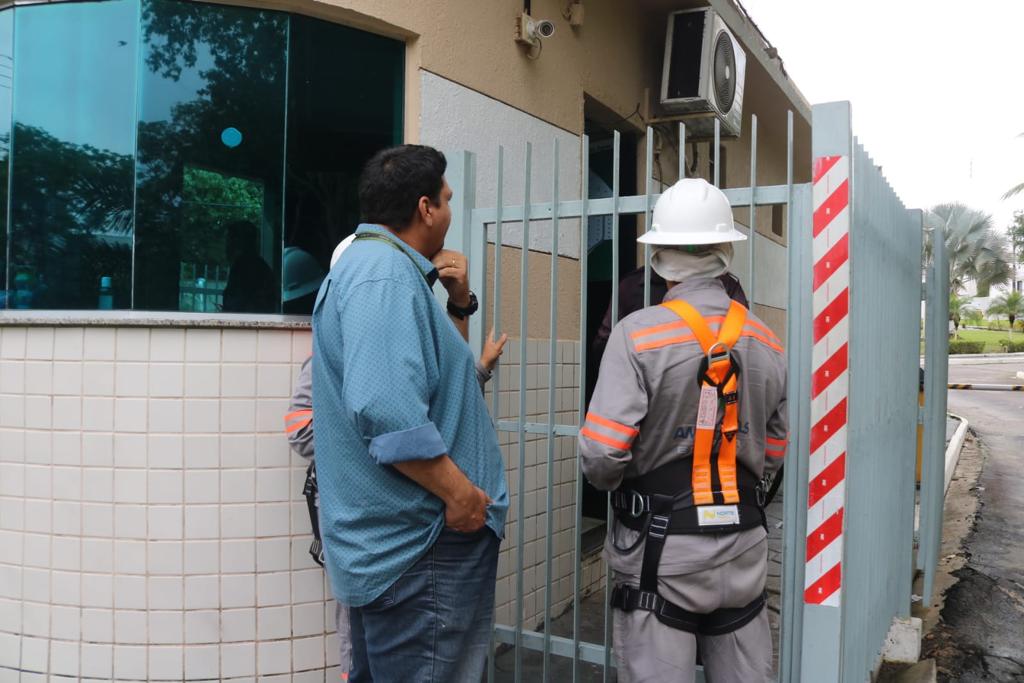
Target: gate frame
{"x":811,"y":636}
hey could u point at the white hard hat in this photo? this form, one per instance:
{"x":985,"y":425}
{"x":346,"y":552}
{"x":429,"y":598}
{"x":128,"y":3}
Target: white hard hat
{"x":342,"y":246}
{"x":693,"y":211}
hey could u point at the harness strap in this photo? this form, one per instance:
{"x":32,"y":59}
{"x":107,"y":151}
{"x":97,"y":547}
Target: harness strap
{"x":719,"y":622}
{"x":657,"y":530}
{"x":718,"y":381}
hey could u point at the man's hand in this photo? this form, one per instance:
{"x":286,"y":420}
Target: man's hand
{"x":466,"y":512}
{"x":492,"y":350}
{"x":453,"y":271}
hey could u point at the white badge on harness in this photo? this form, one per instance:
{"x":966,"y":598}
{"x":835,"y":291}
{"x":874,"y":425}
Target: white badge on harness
{"x":717,"y":515}
{"x":707,"y":409}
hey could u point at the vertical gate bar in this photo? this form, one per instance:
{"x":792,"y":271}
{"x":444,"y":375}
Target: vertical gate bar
{"x":682,"y":151}
{"x":552,"y":352}
{"x":717,"y":150}
{"x":577,"y":574}
{"x":521,"y":509}
{"x":648,"y":163}
{"x":617,"y":139}
{"x":936,"y":377}
{"x":496,"y":319}
{"x":795,"y":479}
{"x":789,"y":165}
{"x":753,"y":206}
{"x":786,"y":631}
{"x":615,"y":318}
{"x":496,"y":324}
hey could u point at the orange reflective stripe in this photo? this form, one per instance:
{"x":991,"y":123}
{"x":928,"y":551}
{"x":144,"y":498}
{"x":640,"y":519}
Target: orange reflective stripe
{"x":606,"y":440}
{"x":763,"y":328}
{"x":780,"y":453}
{"x":775,"y":442}
{"x":614,"y":426}
{"x":695,"y":321}
{"x":777,"y":345}
{"x":298,"y":413}
{"x":306,"y":416}
{"x":647,"y":346}
{"x":296,"y":426}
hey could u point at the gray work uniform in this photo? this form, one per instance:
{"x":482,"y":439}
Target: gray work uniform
{"x":301,"y":441}
{"x":642,"y":416}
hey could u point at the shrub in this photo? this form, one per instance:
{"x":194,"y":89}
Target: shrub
{"x":1011,"y":346}
{"x":962,"y":347}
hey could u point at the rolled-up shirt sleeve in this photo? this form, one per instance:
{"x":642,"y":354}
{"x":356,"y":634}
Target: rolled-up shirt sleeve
{"x":390,"y":371}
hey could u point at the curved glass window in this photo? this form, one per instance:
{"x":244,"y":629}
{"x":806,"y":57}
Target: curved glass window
{"x":175,"y":156}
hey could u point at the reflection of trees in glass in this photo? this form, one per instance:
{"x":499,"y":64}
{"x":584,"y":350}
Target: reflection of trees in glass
{"x":71,"y":212}
{"x":207,"y":68}
{"x":212,"y":200}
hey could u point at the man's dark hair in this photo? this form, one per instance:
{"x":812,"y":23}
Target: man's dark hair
{"x":394,"y":180}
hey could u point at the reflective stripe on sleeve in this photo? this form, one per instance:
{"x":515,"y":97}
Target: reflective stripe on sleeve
{"x":297,"y":420}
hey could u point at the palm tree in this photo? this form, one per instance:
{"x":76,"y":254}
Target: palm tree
{"x":959,"y":308}
{"x":1011,"y":305}
{"x":976,"y":251}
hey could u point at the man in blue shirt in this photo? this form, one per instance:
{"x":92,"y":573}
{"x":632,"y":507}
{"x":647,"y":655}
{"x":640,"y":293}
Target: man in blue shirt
{"x":412,"y":484}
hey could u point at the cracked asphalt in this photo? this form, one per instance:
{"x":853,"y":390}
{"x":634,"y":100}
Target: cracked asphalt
{"x":980,"y":635}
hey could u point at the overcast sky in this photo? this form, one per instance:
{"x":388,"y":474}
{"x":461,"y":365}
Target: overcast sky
{"x":937,"y":88}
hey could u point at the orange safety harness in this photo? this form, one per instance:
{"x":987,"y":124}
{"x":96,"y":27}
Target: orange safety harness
{"x":718,"y":379}
{"x":651,"y":504}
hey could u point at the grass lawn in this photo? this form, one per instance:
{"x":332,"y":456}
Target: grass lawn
{"x":990,"y":337}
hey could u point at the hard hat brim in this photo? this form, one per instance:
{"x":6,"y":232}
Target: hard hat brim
{"x":680,"y":239}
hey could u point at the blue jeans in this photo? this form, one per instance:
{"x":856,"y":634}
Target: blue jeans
{"x":434,"y":623}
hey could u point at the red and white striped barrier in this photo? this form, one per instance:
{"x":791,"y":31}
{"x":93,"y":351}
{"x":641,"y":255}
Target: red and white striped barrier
{"x":829,"y":380}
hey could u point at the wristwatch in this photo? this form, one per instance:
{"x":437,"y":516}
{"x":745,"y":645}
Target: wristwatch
{"x":462,"y":313}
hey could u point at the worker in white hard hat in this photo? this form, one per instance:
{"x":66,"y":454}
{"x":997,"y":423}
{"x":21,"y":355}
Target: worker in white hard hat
{"x":686,"y":425}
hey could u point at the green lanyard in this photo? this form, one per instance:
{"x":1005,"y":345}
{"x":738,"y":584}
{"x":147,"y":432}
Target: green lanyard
{"x":391,"y":243}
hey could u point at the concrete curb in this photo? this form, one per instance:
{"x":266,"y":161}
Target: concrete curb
{"x":986,"y":358}
{"x":953,"y":450}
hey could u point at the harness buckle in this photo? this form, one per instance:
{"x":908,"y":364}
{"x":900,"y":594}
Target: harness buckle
{"x":637,"y":506}
{"x":659,"y":526}
{"x":714,"y":355}
{"x":647,"y":601}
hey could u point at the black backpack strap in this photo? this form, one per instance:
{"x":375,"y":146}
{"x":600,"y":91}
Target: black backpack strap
{"x":309,"y":490}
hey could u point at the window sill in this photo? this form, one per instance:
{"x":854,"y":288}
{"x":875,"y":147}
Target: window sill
{"x":152,"y":319}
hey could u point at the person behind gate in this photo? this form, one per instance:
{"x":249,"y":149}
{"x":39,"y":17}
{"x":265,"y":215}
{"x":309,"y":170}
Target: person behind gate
{"x":412,"y":485}
{"x":686,"y":424}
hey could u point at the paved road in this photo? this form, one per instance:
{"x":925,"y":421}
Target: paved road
{"x":981,"y":635}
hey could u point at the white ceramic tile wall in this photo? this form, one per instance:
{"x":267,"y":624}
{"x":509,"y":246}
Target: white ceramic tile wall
{"x":151,"y":522}
{"x":567,"y":382}
{"x":146,"y":504}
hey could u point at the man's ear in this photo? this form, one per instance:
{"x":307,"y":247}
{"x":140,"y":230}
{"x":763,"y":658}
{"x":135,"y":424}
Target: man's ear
{"x":424,"y":210}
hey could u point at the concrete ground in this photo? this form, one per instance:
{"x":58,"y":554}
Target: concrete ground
{"x":979,"y":635}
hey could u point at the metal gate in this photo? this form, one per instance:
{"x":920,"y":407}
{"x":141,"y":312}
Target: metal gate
{"x":837,"y":600}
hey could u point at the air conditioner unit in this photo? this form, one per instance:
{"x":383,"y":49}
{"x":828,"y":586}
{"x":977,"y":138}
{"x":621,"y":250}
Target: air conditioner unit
{"x":703,"y":71}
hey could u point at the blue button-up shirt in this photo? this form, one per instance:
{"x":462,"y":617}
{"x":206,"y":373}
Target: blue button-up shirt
{"x":393,"y":381}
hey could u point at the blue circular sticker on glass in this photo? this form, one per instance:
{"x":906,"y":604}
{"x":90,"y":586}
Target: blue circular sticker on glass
{"x":231,"y":137}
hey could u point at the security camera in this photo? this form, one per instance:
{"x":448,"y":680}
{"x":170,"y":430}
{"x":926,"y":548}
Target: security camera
{"x":530,"y":32}
{"x":544,"y":28}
